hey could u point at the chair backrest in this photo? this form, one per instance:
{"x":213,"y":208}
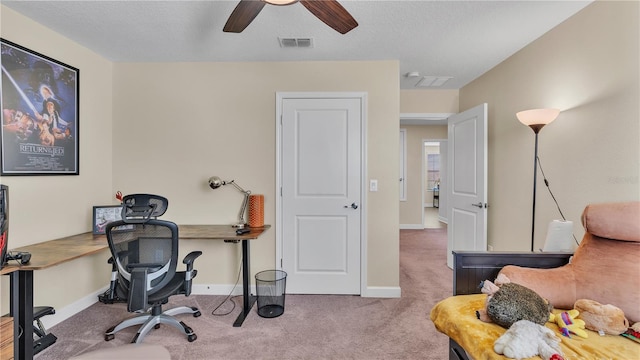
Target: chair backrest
{"x":145,"y":249}
{"x":152,"y":245}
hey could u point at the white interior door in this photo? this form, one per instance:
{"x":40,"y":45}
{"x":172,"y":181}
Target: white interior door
{"x":467,"y":193}
{"x":321,"y":183}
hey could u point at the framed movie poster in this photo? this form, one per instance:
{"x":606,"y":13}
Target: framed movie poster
{"x":40,"y":113}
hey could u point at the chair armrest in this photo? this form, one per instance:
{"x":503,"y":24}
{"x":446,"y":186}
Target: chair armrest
{"x":190,"y":273}
{"x":190,"y":258}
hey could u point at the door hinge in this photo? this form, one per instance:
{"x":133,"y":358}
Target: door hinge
{"x":280,"y":263}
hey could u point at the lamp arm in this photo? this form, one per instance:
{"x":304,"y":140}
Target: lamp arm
{"x":245,"y":201}
{"x":233,"y":182}
{"x":243,"y":208}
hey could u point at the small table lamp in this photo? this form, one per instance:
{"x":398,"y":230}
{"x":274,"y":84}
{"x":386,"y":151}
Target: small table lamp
{"x":215,"y":182}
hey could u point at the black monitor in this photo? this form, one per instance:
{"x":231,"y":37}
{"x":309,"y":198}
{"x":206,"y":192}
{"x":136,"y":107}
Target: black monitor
{"x":4,"y":224}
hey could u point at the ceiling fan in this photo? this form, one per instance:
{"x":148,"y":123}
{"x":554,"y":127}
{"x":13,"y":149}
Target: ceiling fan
{"x":329,"y":11}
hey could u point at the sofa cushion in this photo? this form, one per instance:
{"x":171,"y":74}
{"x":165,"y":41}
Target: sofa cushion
{"x":619,"y":221}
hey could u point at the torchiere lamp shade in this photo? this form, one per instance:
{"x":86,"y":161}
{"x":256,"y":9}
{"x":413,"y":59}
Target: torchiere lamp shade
{"x":537,"y":118}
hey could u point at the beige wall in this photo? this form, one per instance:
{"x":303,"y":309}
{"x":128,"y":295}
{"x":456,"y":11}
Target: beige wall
{"x":165,"y":128}
{"x":421,"y":102}
{"x":47,"y":207}
{"x":178,"y":124}
{"x":588,"y":68}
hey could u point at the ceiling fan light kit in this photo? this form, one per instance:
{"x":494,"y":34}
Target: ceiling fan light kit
{"x":328,"y":11}
{"x":280,"y":2}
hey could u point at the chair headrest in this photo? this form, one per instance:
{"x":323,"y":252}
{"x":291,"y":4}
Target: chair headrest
{"x":617,"y":221}
{"x":138,"y":208}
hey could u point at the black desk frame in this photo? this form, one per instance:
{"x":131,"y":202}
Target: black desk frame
{"x":21,"y":308}
{"x":248,"y":299}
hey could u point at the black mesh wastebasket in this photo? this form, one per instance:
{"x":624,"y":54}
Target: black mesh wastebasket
{"x":270,"y":288}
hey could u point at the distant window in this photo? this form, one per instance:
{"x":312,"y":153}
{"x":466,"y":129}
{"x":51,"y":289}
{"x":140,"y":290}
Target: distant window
{"x":433,"y":171}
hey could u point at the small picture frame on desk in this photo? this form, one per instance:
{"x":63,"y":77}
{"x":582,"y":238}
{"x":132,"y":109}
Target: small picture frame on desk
{"x":103,"y":215}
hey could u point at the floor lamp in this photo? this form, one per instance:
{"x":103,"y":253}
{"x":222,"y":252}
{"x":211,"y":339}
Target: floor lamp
{"x":536,"y":119}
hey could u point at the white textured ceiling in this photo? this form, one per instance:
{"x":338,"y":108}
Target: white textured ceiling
{"x":460,"y":39}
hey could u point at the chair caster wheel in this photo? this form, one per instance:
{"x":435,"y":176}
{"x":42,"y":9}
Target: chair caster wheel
{"x":192,"y":337}
{"x":109,"y":337}
{"x":197,"y":313}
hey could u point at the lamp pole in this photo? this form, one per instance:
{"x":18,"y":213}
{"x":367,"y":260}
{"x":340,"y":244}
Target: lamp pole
{"x":535,"y":182}
{"x":536,"y":119}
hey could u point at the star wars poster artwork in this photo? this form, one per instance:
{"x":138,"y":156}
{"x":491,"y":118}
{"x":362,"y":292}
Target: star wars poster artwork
{"x":40,"y":106}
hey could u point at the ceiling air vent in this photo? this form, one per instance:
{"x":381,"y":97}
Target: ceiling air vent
{"x":433,"y":81}
{"x":296,"y":42}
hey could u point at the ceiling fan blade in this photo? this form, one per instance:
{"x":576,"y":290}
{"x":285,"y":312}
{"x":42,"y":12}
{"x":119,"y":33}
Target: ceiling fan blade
{"x":243,"y":15}
{"x":332,"y":14}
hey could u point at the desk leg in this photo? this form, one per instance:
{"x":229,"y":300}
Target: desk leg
{"x":247,"y":299}
{"x":21,"y":307}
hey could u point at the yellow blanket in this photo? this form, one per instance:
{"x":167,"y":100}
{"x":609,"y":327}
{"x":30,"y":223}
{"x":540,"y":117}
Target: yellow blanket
{"x":455,"y":317}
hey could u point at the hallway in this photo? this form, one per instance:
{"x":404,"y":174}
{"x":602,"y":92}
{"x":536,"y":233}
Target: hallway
{"x":431,"y":219}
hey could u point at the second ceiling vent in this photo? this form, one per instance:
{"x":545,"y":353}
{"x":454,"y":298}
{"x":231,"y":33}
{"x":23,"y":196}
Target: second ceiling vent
{"x":296,"y":42}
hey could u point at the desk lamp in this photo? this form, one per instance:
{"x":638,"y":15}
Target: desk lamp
{"x":215,"y":182}
{"x":536,"y":119}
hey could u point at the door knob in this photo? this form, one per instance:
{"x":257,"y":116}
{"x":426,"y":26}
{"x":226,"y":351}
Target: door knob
{"x":353,"y":206}
{"x":478,"y":204}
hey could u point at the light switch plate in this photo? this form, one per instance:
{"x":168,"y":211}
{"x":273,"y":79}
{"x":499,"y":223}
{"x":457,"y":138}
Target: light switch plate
{"x":373,"y":185}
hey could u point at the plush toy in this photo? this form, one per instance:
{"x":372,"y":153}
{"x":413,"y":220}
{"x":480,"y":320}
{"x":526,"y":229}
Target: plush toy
{"x":568,"y":323}
{"x":508,"y":302}
{"x":633,"y":332}
{"x":597,"y":317}
{"x":526,"y":339}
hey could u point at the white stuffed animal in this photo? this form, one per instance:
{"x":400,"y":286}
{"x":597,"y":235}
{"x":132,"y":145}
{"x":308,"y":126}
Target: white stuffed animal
{"x":526,"y":339}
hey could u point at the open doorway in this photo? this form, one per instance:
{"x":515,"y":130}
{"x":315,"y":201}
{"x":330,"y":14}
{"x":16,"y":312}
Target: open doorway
{"x":433,"y":183}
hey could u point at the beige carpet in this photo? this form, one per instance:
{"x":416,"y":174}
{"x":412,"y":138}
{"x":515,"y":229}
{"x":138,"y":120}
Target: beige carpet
{"x":312,"y":326}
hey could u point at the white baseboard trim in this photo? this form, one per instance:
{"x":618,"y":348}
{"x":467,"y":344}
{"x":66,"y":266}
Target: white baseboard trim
{"x":382,"y":292}
{"x":210,"y":289}
{"x":411,"y":227}
{"x":68,"y":311}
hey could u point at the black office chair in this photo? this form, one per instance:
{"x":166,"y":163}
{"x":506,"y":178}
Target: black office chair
{"x":145,"y":252}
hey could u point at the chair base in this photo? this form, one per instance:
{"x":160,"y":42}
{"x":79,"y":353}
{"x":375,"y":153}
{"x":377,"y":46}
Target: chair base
{"x":150,"y":321}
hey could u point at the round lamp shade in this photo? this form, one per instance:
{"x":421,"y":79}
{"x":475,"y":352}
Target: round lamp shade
{"x":537,"y":118}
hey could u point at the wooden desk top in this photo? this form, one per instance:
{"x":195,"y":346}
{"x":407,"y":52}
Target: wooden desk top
{"x":53,"y":252}
{"x":218,"y":232}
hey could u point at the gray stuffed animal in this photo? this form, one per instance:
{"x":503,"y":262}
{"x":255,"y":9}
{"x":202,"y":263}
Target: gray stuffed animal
{"x":509,"y":302}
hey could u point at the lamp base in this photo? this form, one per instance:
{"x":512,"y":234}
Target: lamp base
{"x":239,"y":225}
